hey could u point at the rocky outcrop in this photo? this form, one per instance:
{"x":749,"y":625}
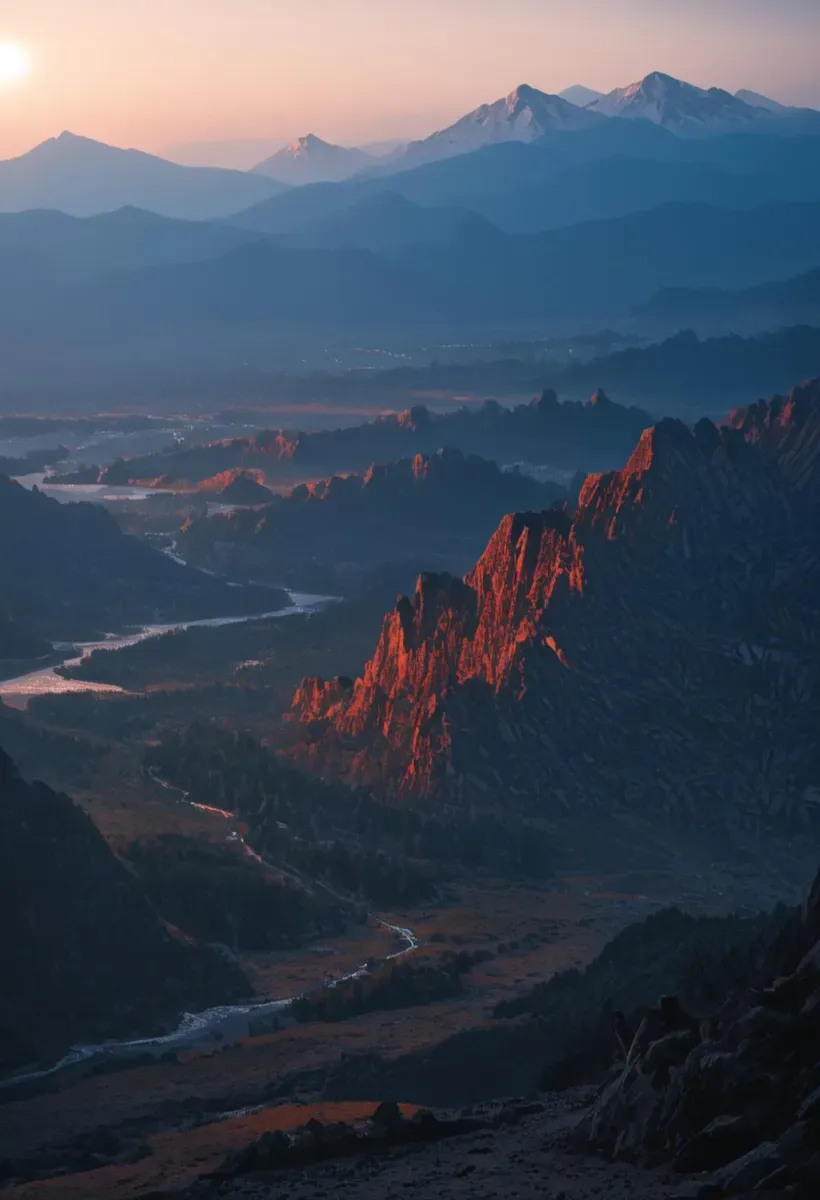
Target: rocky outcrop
{"x":676,"y":609}
{"x":242,"y":488}
{"x":735,"y":1098}
{"x":439,"y":508}
{"x":85,"y":957}
{"x":566,"y":437}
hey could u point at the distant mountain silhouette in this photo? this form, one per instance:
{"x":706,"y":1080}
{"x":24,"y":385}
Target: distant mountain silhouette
{"x":253,"y":284}
{"x":782,"y":302}
{"x":82,"y":177}
{"x":525,"y":115}
{"x":693,"y":111}
{"x":615,"y":167}
{"x":595,"y":268}
{"x":127,"y":238}
{"x":598,"y":270}
{"x":387,"y":222}
{"x":688,"y":375}
{"x":617,"y":185}
{"x":580,"y":95}
{"x":311,"y":160}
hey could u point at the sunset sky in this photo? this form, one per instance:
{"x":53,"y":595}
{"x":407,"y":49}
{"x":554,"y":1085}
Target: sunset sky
{"x":154,"y":73}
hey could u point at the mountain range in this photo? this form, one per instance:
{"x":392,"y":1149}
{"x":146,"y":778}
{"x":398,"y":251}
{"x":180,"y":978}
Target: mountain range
{"x":528,"y":114}
{"x":682,"y":107}
{"x":675,"y":607}
{"x":525,"y":115}
{"x":564,"y":437}
{"x":796,"y":299}
{"x":469,"y":271}
{"x":79,"y":176}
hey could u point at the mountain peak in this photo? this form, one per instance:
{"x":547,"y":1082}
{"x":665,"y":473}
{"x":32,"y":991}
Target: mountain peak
{"x":677,"y":105}
{"x":308,"y":142}
{"x":477,"y":689}
{"x":581,"y":95}
{"x":523,"y":115}
{"x":310,"y":159}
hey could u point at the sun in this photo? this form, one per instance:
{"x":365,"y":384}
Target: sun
{"x":15,"y":62}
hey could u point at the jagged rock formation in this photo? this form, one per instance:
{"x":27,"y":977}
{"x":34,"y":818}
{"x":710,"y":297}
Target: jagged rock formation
{"x":567,"y":437}
{"x":436,"y":508}
{"x":738,"y":1095}
{"x":655,"y":653}
{"x":85,"y":957}
{"x":243,"y":488}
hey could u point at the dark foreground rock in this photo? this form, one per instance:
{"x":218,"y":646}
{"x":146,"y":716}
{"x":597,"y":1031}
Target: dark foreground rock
{"x":514,"y":1153}
{"x":737,"y":1101}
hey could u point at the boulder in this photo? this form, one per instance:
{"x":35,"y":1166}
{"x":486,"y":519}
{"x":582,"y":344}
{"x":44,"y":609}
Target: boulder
{"x":721,"y":1141}
{"x":747,"y":1172}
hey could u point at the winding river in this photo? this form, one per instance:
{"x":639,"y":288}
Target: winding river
{"x":19,"y":690}
{"x":223,"y":1025}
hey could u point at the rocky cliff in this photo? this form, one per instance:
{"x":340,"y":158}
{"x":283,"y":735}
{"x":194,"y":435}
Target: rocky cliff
{"x":734,"y":1098}
{"x":655,"y":652}
{"x":85,"y":957}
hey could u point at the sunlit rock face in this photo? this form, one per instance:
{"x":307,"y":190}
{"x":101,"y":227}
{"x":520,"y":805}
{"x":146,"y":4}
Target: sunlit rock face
{"x":654,"y":651}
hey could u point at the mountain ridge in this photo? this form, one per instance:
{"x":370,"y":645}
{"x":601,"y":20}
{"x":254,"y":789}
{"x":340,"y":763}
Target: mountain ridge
{"x":692,"y":111}
{"x":529,"y":681}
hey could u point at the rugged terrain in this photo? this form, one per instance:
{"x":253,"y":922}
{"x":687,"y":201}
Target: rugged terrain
{"x":323,"y":536}
{"x":565,"y":437}
{"x":675,"y":608}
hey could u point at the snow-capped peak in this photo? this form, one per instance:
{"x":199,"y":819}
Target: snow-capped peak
{"x":311,"y":160}
{"x":677,"y":105}
{"x":522,"y":116}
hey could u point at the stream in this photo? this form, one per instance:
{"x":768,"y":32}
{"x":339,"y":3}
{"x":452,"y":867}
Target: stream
{"x":19,"y":690}
{"x":223,"y":1025}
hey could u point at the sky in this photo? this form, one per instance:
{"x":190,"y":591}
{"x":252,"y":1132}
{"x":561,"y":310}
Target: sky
{"x":158,"y":73}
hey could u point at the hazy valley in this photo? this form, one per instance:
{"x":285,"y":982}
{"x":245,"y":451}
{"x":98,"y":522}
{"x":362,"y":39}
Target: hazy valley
{"x":409,"y":628}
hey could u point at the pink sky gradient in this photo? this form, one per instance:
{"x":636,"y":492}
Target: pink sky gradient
{"x":152,"y":73}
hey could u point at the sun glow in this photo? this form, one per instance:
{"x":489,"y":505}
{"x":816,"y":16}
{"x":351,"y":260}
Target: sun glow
{"x":15,"y":63}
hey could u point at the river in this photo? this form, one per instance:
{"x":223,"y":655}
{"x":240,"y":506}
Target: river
{"x":223,"y":1025}
{"x":45,"y":681}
